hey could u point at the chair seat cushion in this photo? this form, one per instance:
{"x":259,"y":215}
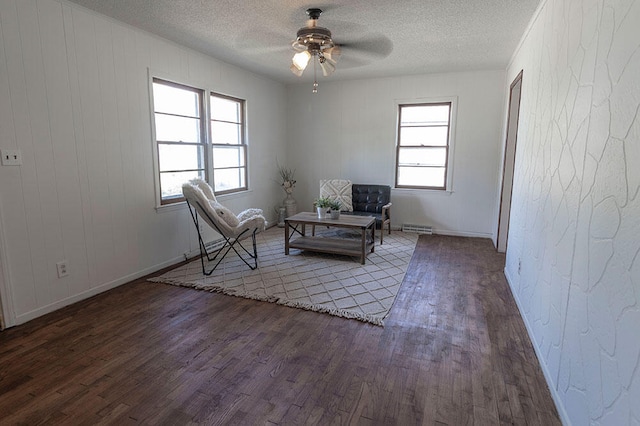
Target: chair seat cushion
{"x":365,"y":214}
{"x":225,"y":214}
{"x":378,"y":216}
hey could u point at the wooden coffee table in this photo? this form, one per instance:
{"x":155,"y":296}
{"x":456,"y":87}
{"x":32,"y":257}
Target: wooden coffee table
{"x":349,"y":247}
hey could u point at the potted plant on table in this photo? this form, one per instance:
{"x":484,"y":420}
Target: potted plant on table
{"x":323,"y":205}
{"x":335,"y":207}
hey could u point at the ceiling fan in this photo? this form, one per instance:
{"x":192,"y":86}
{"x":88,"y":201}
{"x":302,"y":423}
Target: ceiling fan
{"x":314,"y":43}
{"x":314,"y":46}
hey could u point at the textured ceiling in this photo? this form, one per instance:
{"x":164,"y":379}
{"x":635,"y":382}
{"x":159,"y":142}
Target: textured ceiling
{"x":381,"y":38}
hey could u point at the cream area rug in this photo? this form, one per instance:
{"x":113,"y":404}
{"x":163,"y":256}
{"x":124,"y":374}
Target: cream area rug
{"x":337,"y":285}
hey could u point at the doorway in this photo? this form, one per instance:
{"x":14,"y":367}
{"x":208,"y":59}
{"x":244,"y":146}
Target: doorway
{"x":509,"y":162}
{"x":6,"y":312}
{"x":3,"y":324}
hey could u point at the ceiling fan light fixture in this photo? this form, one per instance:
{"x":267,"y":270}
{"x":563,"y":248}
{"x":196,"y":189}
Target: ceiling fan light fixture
{"x":300,"y":60}
{"x":314,"y":43}
{"x":294,"y":69}
{"x":332,"y":54}
{"x":327,"y":67}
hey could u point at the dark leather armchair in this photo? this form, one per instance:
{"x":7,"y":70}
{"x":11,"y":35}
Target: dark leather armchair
{"x":373,"y":200}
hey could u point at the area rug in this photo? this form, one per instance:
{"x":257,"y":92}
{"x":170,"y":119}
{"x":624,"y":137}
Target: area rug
{"x":337,"y":285}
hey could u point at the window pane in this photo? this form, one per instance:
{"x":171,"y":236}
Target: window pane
{"x":174,"y":100}
{"x":177,"y":129}
{"x":180,"y":157}
{"x":171,"y":183}
{"x":421,"y":176}
{"x":228,"y":179}
{"x":424,"y":114}
{"x":224,"y":157}
{"x":422,"y":156}
{"x":424,"y":135}
{"x":225,"y":133}
{"x":225,"y":109}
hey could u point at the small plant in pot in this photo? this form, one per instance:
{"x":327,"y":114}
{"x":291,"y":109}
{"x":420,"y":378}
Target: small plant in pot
{"x":335,"y":207}
{"x":323,"y":205}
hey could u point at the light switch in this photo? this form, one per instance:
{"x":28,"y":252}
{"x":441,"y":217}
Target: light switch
{"x":11,"y":157}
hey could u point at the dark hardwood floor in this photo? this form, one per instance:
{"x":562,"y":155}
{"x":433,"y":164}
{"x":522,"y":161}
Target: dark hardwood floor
{"x":454,"y":351}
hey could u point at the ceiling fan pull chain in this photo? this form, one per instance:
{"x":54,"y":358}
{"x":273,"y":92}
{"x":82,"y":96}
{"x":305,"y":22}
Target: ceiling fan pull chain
{"x":315,"y":80}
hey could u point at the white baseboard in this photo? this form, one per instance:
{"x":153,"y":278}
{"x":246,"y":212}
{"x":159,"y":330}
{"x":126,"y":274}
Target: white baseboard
{"x":462,"y":233}
{"x":451,"y":233}
{"x":564,"y":417}
{"x":28,"y":316}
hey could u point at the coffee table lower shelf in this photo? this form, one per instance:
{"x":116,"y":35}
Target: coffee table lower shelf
{"x":333,"y":246}
{"x":359,"y":247}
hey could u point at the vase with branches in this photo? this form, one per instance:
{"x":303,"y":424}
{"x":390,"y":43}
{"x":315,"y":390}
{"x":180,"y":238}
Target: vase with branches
{"x":288,"y":182}
{"x":287,"y":178}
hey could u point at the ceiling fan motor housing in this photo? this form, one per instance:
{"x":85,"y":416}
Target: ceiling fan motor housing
{"x":313,"y":38}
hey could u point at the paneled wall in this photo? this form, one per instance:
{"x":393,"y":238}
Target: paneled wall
{"x":348,"y":130}
{"x":573,"y":259}
{"x":74,"y":98}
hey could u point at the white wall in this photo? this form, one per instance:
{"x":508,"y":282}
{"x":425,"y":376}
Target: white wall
{"x":575,"y":221}
{"x":348,"y":130}
{"x":74,"y":98}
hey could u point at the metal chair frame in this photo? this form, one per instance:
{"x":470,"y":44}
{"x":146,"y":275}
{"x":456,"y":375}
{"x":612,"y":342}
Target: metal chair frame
{"x":229,"y":244}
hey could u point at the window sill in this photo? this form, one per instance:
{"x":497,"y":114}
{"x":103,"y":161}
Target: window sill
{"x":173,"y":207}
{"x":424,"y":191}
{"x":166,"y":208}
{"x":234,"y":195}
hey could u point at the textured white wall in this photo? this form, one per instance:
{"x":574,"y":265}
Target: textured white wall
{"x":575,"y":224}
{"x":74,"y":98}
{"x":348,"y":130}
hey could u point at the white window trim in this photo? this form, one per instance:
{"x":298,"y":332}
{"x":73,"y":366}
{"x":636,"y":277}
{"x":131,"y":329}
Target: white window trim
{"x":448,"y":186}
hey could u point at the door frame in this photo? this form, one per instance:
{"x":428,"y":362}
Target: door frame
{"x":508,"y":164}
{"x":7,"y":314}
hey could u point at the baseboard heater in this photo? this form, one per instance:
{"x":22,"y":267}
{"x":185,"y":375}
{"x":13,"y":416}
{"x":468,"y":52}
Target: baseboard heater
{"x":215,"y":245}
{"x":211,"y":247}
{"x":417,"y":229}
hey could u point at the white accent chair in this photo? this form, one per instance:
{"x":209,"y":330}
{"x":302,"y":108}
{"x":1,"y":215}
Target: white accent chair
{"x":233,"y":229}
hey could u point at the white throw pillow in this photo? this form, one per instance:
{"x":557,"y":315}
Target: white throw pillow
{"x":225,"y":214}
{"x":338,"y":190}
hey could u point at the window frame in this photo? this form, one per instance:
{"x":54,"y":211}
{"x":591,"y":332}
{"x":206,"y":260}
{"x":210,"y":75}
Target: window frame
{"x":242,"y":144}
{"x":448,"y":163}
{"x":205,"y":137}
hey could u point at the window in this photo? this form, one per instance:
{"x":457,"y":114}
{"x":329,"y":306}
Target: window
{"x":186,"y":148}
{"x":179,"y":136}
{"x":423,"y":145}
{"x":229,"y":148}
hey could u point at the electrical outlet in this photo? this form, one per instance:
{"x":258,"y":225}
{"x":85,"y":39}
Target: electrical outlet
{"x":11,"y":157}
{"x":63,"y":268}
{"x":519,"y":266}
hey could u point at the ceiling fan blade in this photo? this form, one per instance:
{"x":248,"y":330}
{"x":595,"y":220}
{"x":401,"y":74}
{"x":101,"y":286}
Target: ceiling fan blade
{"x":364,"y":51}
{"x":374,"y":47}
